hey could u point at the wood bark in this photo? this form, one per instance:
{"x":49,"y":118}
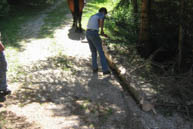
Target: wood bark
{"x":144,"y":45}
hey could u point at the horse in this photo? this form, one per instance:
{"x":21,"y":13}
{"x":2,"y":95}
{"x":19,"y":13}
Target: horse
{"x":76,"y":8}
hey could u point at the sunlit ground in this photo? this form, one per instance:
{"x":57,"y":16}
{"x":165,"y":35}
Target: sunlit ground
{"x":53,"y":84}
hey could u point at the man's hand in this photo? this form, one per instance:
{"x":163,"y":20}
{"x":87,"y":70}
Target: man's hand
{"x":105,"y":35}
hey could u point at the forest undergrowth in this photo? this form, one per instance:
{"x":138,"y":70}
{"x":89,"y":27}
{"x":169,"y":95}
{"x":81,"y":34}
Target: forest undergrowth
{"x":171,"y":92}
{"x":170,"y":89}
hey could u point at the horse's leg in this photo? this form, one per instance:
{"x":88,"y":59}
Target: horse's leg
{"x":79,"y":20}
{"x":76,"y":13}
{"x":74,"y":21}
{"x":72,"y":9}
{"x":81,"y":6}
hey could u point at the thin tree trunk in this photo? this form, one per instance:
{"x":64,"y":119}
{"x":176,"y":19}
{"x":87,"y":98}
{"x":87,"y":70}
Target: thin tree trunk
{"x":144,"y":35}
{"x":181,"y":35}
{"x":135,"y":10}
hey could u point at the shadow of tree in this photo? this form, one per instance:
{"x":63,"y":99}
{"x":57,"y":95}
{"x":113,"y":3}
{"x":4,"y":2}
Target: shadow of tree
{"x":55,"y":19}
{"x":37,"y":22}
{"x":29,"y":22}
{"x":68,"y":82}
{"x":12,"y":118}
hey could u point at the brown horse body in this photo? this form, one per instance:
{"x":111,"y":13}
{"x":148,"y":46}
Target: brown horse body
{"x":76,"y":7}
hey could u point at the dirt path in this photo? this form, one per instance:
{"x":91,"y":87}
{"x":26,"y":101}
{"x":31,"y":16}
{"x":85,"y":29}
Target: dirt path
{"x":57,"y":89}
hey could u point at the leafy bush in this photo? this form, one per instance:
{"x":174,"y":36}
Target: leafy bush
{"x":122,"y":24}
{"x":4,"y":7}
{"x":31,"y":2}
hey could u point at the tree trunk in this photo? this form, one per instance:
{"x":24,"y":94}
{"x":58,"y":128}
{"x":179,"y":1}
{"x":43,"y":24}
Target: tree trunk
{"x":144,"y":45}
{"x":135,"y":6}
{"x":181,"y":35}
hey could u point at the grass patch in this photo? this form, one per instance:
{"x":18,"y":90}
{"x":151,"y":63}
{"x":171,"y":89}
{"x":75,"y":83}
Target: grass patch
{"x":12,"y":37}
{"x":10,"y":25}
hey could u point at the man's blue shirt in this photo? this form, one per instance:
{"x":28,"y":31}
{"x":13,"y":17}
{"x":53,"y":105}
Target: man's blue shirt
{"x":93,"y":22}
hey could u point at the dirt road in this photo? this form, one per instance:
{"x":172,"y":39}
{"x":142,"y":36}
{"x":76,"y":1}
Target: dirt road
{"x":57,"y":89}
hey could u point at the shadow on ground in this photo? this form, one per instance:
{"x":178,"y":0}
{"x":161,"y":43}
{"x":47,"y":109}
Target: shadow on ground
{"x":7,"y":119}
{"x":69,"y":82}
{"x":74,"y":35}
{"x":27,"y":22}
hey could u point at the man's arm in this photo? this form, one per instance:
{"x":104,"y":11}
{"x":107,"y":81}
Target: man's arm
{"x":101,"y":25}
{"x":1,"y":47}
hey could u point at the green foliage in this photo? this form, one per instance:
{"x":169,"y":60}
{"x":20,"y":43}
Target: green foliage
{"x":100,"y":1}
{"x":123,"y":4}
{"x":31,"y":2}
{"x":93,"y":6}
{"x":11,"y":25}
{"x":123,"y":26}
{"x":4,"y":7}
{"x":37,"y":2}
